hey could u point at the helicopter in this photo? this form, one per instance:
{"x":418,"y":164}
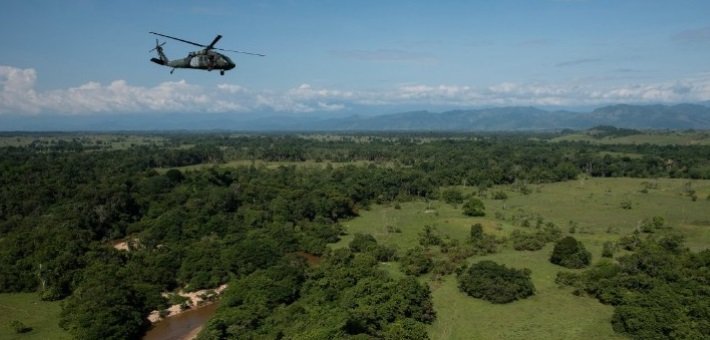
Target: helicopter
{"x":205,"y":59}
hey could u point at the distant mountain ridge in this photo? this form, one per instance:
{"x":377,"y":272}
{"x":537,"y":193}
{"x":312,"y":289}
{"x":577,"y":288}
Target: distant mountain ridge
{"x":516,"y":118}
{"x":681,"y":116}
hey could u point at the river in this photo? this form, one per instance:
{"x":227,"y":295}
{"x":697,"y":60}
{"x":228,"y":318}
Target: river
{"x":182,"y":326}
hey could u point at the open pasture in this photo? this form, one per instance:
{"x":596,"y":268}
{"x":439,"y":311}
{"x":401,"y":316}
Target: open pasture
{"x":41,"y":316}
{"x":592,"y":208}
{"x":657,"y":138}
{"x":89,"y":140}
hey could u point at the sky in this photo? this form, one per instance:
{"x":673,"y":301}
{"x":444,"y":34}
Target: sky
{"x":91,"y":57}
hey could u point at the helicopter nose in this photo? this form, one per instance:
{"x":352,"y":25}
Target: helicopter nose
{"x":230,"y":66}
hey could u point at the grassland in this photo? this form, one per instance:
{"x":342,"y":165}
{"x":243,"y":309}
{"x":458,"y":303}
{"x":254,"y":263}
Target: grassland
{"x":93,"y":140}
{"x":27,"y":308}
{"x":592,"y":206}
{"x":657,"y":138}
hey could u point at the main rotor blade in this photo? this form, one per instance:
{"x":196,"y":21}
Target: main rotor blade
{"x":216,"y":39}
{"x":178,"y":39}
{"x":259,"y":54}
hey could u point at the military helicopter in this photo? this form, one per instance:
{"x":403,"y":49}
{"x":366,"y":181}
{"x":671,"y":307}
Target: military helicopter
{"x":205,"y":59}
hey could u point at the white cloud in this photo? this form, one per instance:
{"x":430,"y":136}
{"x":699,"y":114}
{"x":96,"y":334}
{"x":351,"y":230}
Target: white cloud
{"x":18,"y":95}
{"x":17,"y":89}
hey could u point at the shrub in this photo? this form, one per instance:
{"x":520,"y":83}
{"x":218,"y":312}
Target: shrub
{"x":474,"y":207}
{"x":608,"y":250}
{"x":384,"y":253}
{"x":500,"y":195}
{"x":649,"y":225}
{"x":429,"y":236}
{"x":452,"y":196}
{"x":392,"y":229}
{"x":526,"y":241}
{"x":416,"y":262}
{"x":570,"y":253}
{"x":19,"y":327}
{"x":496,"y":283}
{"x":443,"y":267}
{"x":476,"y":231}
{"x":626,"y":205}
{"x":363,"y":243}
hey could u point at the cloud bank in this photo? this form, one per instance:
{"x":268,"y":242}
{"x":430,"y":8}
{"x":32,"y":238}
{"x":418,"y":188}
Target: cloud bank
{"x":19,"y":96}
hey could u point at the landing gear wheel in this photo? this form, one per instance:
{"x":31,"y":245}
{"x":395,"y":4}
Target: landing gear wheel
{"x":221,"y":73}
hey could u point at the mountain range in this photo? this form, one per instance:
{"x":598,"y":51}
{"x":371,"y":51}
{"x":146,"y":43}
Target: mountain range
{"x":654,"y":117}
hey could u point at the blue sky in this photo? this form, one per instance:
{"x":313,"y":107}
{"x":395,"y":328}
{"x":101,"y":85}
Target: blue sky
{"x":342,"y":57}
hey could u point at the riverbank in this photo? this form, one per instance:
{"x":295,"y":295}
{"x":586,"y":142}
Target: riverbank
{"x":183,"y":326}
{"x":192,"y":300}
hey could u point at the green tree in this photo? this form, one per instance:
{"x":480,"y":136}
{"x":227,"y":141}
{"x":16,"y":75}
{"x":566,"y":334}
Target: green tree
{"x":105,"y":306}
{"x":608,"y":249}
{"x":570,"y":253}
{"x":495,"y":283}
{"x":452,"y":196}
{"x":363,"y":243}
{"x":474,"y":207}
{"x":476,"y":232}
{"x":405,"y":329}
{"x":429,"y":236}
{"x":416,"y":262}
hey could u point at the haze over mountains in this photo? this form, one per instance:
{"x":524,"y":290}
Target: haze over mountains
{"x":676,"y":117}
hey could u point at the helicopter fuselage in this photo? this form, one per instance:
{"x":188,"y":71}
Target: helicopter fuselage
{"x":203,"y":60}
{"x":206,"y":59}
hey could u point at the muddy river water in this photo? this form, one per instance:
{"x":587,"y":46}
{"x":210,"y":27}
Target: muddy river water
{"x":182,"y":326}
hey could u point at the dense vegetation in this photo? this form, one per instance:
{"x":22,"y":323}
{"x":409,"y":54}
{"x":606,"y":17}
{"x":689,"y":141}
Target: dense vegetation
{"x":570,"y":253}
{"x":495,"y":282}
{"x":660,"y":291}
{"x":63,"y":204}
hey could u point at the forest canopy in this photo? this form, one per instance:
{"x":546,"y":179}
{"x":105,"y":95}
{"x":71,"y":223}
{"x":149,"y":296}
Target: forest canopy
{"x":201,"y":210}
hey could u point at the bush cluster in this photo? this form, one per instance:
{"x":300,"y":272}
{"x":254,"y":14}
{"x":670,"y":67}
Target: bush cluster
{"x":570,"y":253}
{"x":495,"y":282}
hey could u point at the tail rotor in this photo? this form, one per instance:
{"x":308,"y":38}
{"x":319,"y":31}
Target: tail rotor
{"x":158,"y":46}
{"x":162,"y":60}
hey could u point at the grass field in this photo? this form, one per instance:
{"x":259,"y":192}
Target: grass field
{"x":27,"y":308}
{"x":102,"y":141}
{"x":595,"y":208}
{"x":659,"y":138}
{"x":552,"y":313}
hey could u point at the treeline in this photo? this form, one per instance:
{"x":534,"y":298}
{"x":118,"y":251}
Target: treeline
{"x":496,"y":159}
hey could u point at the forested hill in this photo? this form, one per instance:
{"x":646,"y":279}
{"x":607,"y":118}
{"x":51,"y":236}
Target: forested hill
{"x":682,"y":116}
{"x":676,"y":117}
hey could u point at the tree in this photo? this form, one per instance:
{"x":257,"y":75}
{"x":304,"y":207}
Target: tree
{"x":476,"y":232}
{"x":429,"y":236}
{"x":105,"y":306}
{"x":452,"y":196}
{"x":363,"y":243}
{"x":405,"y":329}
{"x":480,"y":242}
{"x":608,"y":249}
{"x":474,"y":207}
{"x":656,"y":291}
{"x":416,"y":262}
{"x":495,"y":282}
{"x":570,"y":253}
